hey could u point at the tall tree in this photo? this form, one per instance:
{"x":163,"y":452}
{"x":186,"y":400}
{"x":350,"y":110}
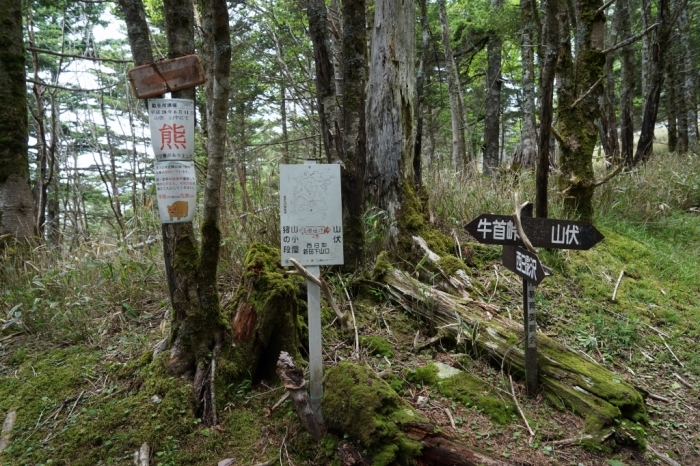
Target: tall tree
{"x":325,"y":74}
{"x":689,"y":87}
{"x":578,"y":108}
{"x":354,"y":131}
{"x":197,"y":331}
{"x":492,"y":120}
{"x":527,"y":153}
{"x":459,"y":150}
{"x":420,"y":92}
{"x":627,"y":85}
{"x":549,"y":56}
{"x":390,"y":107}
{"x":16,"y":201}
{"x":659,"y":43}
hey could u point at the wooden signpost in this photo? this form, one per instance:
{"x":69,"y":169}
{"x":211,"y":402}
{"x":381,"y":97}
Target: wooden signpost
{"x":541,"y":232}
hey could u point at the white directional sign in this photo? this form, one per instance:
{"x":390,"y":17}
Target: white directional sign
{"x":176,"y":188}
{"x":172,"y":128}
{"x":311,"y":214}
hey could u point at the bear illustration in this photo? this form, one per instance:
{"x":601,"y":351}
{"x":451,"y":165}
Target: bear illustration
{"x":178,"y":209}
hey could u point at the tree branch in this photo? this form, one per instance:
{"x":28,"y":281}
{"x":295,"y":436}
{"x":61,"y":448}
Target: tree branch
{"x":602,"y":8}
{"x":81,"y":57}
{"x":578,"y":101}
{"x":632,"y":39}
{"x":76,"y":89}
{"x":301,"y":270}
{"x":607,"y":178}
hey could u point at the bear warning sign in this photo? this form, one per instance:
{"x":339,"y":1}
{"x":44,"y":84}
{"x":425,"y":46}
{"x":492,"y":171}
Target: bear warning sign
{"x":176,"y":187}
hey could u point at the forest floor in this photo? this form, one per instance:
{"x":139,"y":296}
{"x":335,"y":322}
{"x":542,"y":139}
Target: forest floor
{"x":77,"y":338}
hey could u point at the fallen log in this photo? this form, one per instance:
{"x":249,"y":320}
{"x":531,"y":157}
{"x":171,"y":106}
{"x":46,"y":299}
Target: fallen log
{"x":360,"y":405}
{"x":567,"y":379}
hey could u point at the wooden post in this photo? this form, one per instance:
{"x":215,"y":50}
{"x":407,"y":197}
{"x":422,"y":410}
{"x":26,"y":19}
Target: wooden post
{"x":530,"y":326}
{"x":315,"y":345}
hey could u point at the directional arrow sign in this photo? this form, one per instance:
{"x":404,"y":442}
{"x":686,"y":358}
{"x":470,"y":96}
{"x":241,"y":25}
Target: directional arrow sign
{"x":542,"y":232}
{"x":523,"y":263}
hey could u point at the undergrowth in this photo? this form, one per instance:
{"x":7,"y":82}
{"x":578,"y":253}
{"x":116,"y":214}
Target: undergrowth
{"x":79,"y":325}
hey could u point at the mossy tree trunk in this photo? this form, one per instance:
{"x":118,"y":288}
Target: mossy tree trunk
{"x":16,"y":200}
{"x":567,"y":379}
{"x":198,"y":327}
{"x":354,"y":146}
{"x":579,"y":108}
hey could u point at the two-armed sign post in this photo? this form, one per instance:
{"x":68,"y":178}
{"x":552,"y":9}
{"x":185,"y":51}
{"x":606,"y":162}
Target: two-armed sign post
{"x":541,"y":232}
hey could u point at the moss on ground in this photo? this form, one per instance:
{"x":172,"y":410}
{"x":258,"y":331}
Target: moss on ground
{"x":465,"y":388}
{"x":376,"y":346}
{"x":359,"y":404}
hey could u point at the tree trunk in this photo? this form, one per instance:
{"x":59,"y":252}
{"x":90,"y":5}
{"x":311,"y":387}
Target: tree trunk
{"x":550,"y":39}
{"x":317,"y":14}
{"x":197,"y":332}
{"x":672,"y":101}
{"x":686,"y":65}
{"x":645,"y":145}
{"x":354,"y":131}
{"x":607,"y":119}
{"x":492,"y":120}
{"x":390,"y":131}
{"x":459,"y":150}
{"x":420,"y":93}
{"x":528,"y":134}
{"x":646,"y":48}
{"x":627,"y":85}
{"x":567,"y":379}
{"x":578,"y":109}
{"x":16,"y":202}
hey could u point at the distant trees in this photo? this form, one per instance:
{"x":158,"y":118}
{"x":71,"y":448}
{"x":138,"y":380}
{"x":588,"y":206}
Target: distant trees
{"x":16,"y":201}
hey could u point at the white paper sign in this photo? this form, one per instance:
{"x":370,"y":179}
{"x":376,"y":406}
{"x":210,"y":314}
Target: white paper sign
{"x":172,"y":128}
{"x":311,"y":214}
{"x":176,"y":187}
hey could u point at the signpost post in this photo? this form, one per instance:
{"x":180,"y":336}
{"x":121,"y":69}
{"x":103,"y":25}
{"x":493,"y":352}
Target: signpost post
{"x":311,"y":221}
{"x":542,"y":232}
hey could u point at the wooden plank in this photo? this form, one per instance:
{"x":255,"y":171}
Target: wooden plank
{"x":542,"y":232}
{"x":155,"y":79}
{"x":523,"y":263}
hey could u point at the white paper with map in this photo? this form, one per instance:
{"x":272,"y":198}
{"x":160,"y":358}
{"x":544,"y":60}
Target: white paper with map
{"x":311,"y":214}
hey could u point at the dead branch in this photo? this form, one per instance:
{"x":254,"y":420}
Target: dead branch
{"x":293,"y":380}
{"x":632,"y":39}
{"x":301,"y":270}
{"x":609,"y":177}
{"x":587,"y":93}
{"x":617,"y":284}
{"x":519,"y":225}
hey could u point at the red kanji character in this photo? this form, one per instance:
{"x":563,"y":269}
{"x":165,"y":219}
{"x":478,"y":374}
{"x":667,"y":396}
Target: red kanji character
{"x":172,"y":134}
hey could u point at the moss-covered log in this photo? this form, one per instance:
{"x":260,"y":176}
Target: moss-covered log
{"x":364,"y":407}
{"x":567,"y":379}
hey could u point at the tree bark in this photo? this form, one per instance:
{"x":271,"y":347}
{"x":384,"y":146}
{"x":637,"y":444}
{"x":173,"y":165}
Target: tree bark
{"x":390,"y":106}
{"x":317,"y":14}
{"x":16,"y":202}
{"x":645,"y":145}
{"x":672,"y":101}
{"x":689,"y":74}
{"x":354,"y":131}
{"x":420,"y":93}
{"x":578,"y":109}
{"x":566,"y":378}
{"x":528,"y":134}
{"x":492,"y":120}
{"x":459,"y":151}
{"x":607,"y":119}
{"x":627,"y":85}
{"x":550,"y":39}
